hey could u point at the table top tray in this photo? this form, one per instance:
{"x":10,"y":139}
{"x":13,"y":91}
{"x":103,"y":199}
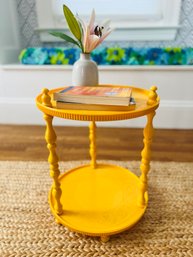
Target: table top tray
{"x":146,"y":102}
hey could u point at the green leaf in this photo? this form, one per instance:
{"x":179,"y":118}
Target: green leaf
{"x":72,"y":23}
{"x":65,"y":37}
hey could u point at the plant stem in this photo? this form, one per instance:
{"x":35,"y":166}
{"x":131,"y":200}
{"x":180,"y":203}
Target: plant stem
{"x":81,"y":46}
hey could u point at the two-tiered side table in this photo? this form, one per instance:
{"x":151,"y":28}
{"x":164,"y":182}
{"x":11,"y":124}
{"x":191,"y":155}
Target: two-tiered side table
{"x":99,"y":199}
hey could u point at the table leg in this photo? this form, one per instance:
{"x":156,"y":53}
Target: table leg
{"x":146,"y":156}
{"x":105,"y":239}
{"x":50,"y":137}
{"x":92,"y":137}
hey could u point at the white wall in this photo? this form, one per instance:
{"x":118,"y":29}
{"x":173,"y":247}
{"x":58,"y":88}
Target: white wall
{"x":20,"y":84}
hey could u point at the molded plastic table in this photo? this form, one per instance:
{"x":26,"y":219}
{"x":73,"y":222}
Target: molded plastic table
{"x":99,"y":199}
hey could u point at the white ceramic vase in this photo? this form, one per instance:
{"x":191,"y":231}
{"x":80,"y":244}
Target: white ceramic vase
{"x":85,"y":72}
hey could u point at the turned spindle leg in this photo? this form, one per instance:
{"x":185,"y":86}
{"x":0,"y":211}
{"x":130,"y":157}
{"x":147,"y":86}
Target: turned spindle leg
{"x":92,"y":137}
{"x":50,"y":137}
{"x":146,"y":157}
{"x":146,"y":152}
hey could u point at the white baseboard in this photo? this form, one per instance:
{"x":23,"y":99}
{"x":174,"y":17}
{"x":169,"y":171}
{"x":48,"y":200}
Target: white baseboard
{"x":26,"y":112}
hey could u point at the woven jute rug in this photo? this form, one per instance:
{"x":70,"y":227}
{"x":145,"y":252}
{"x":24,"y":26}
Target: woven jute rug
{"x":27,"y":228}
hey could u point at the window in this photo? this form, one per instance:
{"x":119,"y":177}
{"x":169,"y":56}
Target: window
{"x":132,"y":20}
{"x":124,"y":10}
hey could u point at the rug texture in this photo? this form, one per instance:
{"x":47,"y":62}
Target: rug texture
{"x":27,"y":228}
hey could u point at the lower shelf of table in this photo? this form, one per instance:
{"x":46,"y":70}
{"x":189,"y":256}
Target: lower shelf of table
{"x":100,"y":201}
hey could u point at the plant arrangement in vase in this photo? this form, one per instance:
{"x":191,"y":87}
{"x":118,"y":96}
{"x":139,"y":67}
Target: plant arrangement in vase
{"x":87,"y":36}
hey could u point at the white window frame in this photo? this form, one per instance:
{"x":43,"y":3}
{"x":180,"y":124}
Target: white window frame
{"x":164,"y":28}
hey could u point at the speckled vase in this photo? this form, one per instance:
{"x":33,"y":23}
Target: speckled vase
{"x":85,"y":72}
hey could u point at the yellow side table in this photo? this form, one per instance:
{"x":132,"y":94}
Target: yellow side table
{"x":99,"y":199}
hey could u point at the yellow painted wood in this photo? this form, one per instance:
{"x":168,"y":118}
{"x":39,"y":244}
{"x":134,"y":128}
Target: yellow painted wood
{"x":146,"y":156}
{"x":45,"y":98}
{"x":92,"y":137}
{"x":105,"y":239}
{"x":99,"y":201}
{"x":146,"y":152}
{"x":50,"y":137}
{"x":152,"y":96}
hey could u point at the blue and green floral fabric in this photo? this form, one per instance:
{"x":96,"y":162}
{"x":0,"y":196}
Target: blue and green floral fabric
{"x":109,"y":56}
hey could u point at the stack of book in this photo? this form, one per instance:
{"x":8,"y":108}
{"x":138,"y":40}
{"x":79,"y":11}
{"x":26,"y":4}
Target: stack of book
{"x":95,"y":98}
